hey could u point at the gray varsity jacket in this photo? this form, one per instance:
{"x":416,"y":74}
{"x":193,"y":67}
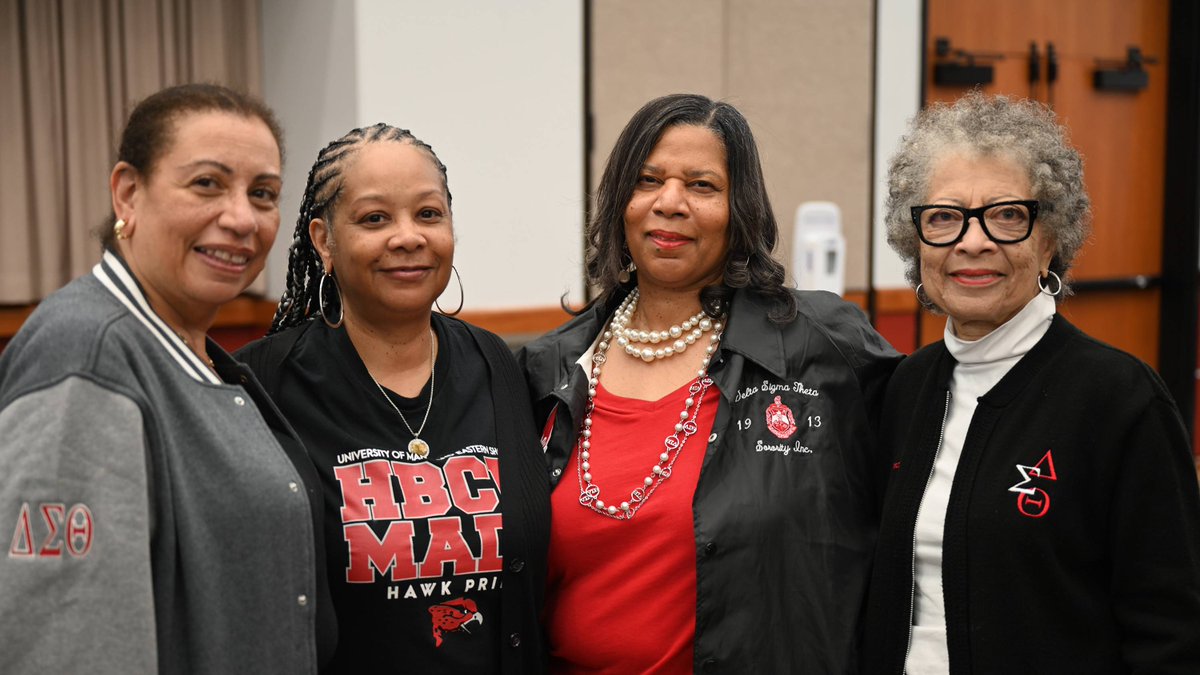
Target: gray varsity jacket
{"x":152,"y":521}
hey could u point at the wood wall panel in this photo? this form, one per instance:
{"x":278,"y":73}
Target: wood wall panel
{"x":1121,"y":136}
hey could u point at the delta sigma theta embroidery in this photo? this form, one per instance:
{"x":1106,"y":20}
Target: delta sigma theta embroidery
{"x":780,"y":420}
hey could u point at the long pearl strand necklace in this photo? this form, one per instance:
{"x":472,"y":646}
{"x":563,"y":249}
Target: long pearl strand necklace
{"x":589,"y":492}
{"x":629,"y":338}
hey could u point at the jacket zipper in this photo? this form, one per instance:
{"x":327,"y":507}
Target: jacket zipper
{"x":912,"y":595}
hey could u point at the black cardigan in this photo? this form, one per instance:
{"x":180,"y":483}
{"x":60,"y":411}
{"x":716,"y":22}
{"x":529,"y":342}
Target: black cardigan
{"x":1072,"y":535}
{"x":526,"y":519}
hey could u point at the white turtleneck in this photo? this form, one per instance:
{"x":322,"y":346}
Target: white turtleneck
{"x":981,"y":364}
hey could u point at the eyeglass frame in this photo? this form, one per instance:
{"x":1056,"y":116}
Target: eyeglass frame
{"x":976,"y":213}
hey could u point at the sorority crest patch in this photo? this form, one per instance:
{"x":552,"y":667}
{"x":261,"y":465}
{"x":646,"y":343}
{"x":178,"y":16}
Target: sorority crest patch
{"x":780,"y":420}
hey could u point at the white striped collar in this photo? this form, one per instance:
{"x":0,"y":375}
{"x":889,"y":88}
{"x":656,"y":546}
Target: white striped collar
{"x":114,"y":274}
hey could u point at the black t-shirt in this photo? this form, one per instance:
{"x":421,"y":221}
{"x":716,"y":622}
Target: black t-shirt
{"x":413,"y":542}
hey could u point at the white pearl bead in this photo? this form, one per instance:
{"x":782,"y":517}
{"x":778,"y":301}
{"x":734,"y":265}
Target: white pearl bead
{"x":663,"y":457}
{"x":647,"y":355}
{"x":705,"y":323}
{"x":623,"y":341}
{"x":586,"y":466}
{"x":689,"y":401}
{"x":587,"y":477}
{"x":587,"y":433}
{"x":592,"y":392}
{"x":603,"y":346}
{"x":612,"y":510}
{"x":648,"y":481}
{"x":680,"y":345}
{"x":668,"y":351}
{"x":624,"y":506}
{"x":658,"y":353}
{"x":657,"y":470}
{"x":607,"y":335}
{"x":675,"y":331}
{"x":594,"y":381}
{"x":683,"y":415}
{"x":678,"y":428}
{"x":691,"y":338}
{"x":599,"y":504}
{"x":710,"y":349}
{"x":585,"y":454}
{"x":587,"y":445}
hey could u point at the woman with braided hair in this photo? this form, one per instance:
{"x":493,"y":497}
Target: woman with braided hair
{"x":411,"y":417}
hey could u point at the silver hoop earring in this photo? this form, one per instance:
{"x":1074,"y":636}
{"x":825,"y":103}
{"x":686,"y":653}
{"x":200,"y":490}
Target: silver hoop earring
{"x":321,"y":301}
{"x":1042,"y":285}
{"x":461,"y":297}
{"x":923,"y":297}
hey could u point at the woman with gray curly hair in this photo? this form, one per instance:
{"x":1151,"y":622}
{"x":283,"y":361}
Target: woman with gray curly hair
{"x":1042,"y":511}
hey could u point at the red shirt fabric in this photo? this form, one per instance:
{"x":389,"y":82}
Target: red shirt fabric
{"x":621,"y":594}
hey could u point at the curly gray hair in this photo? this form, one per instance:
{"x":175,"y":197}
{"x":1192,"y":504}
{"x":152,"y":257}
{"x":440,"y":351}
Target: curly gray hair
{"x":1023,"y":130}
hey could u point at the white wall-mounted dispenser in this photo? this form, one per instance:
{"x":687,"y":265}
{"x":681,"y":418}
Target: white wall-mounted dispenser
{"x":818,"y":248}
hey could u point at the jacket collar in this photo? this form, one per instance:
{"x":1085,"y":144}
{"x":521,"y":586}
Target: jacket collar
{"x":552,"y":358}
{"x":1022,"y":373}
{"x":114,"y":274}
{"x":750,"y":333}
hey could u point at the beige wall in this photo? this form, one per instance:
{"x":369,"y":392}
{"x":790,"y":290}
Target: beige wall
{"x":800,"y":70}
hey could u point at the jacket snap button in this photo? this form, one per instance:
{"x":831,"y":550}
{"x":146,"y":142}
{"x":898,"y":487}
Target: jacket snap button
{"x":515,"y":639}
{"x":556,"y":473}
{"x":564,"y":386}
{"x":710,"y":548}
{"x":293,"y":487}
{"x":516,"y":565}
{"x":712,"y":437}
{"x":710,"y":664}
{"x":302,"y":600}
{"x":239,"y":400}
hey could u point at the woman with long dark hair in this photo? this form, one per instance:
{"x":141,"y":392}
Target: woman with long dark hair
{"x":710,"y":432}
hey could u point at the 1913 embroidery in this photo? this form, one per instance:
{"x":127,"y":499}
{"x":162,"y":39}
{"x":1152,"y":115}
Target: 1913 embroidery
{"x":1033,"y":501}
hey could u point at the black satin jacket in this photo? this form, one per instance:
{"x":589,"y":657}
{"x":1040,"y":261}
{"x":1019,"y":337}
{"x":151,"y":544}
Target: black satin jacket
{"x":785,"y":511}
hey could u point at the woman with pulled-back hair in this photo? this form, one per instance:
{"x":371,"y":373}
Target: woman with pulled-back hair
{"x":710,"y":432}
{"x":412,"y":418}
{"x":158,"y":504}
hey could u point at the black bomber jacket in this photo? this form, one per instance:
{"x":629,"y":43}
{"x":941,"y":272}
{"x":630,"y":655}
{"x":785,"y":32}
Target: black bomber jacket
{"x":784,"y":517}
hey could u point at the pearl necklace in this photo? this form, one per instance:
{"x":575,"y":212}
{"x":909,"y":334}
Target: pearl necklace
{"x":629,"y":338}
{"x":589,"y":492}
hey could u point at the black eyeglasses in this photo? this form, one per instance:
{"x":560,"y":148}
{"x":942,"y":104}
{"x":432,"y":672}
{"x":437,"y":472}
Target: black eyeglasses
{"x":1002,"y":222}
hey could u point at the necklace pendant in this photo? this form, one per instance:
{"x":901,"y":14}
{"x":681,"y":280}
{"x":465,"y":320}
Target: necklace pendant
{"x":418,"y":447}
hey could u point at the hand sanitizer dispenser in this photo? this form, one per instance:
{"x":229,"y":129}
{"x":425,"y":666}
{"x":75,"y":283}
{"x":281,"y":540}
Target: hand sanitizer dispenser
{"x":818,"y":248}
